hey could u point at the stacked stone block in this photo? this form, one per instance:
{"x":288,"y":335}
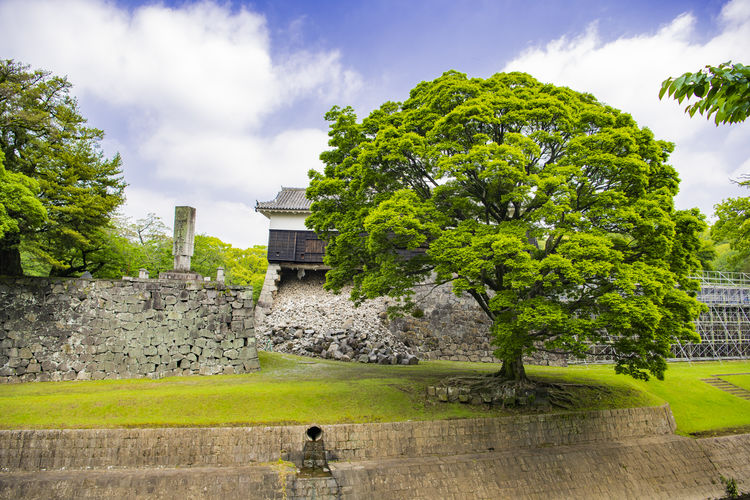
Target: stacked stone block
{"x":79,"y":329}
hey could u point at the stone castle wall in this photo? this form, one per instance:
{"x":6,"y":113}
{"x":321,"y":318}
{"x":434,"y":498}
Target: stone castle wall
{"x":80,"y":329}
{"x":296,"y":315}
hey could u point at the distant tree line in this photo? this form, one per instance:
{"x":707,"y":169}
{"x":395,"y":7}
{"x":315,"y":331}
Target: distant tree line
{"x":147,"y":244}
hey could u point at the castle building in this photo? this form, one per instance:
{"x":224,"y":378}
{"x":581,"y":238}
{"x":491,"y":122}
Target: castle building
{"x":290,"y":243}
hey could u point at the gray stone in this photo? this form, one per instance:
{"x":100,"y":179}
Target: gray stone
{"x":97,"y":329}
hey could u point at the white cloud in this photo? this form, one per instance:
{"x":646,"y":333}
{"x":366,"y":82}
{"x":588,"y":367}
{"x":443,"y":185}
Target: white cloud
{"x":627,"y":74}
{"x":237,"y":162}
{"x":236,"y":223}
{"x":195,"y":87}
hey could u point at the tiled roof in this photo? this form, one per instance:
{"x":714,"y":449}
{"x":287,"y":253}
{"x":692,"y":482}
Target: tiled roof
{"x":288,"y":199}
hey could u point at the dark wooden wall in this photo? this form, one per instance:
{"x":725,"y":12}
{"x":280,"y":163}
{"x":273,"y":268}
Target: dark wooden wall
{"x":295,"y":246}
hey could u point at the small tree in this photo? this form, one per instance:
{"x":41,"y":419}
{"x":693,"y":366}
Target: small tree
{"x":552,"y":210}
{"x":723,"y":91}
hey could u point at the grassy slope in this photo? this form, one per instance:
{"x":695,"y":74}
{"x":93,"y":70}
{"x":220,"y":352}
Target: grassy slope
{"x":739,"y":380}
{"x":697,"y":406}
{"x":301,"y":390}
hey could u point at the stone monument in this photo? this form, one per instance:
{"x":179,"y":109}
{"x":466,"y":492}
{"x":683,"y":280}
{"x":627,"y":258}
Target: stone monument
{"x":182,"y":249}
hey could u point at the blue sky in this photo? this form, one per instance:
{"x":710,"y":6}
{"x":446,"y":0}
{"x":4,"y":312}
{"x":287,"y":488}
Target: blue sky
{"x":218,"y":104}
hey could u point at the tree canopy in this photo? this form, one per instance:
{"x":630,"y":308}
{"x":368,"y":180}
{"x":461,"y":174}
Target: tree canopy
{"x":552,"y":210}
{"x":51,"y":153}
{"x":723,"y":91}
{"x":19,"y":206}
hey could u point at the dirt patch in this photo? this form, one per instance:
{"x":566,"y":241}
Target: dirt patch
{"x":725,"y":431}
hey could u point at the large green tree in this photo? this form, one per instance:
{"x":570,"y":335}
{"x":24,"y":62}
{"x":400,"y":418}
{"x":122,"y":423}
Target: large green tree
{"x":722,"y":91}
{"x":553,"y":211}
{"x":45,"y":139}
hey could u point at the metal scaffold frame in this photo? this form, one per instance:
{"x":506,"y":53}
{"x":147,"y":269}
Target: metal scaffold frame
{"x":725,"y":327}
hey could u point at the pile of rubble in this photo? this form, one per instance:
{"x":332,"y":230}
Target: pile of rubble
{"x":308,"y":321}
{"x":341,"y":345}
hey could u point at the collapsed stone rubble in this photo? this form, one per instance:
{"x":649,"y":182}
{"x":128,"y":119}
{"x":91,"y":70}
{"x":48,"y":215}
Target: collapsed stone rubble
{"x":308,"y":321}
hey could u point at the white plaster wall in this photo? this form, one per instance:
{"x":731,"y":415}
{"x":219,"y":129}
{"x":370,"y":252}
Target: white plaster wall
{"x":291,"y":222}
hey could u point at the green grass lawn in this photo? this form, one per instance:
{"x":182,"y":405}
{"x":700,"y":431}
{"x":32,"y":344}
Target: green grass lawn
{"x":291,"y":390}
{"x":739,"y":380}
{"x":698,"y":408}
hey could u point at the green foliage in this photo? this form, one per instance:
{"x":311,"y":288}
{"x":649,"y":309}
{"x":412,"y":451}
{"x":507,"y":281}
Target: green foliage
{"x":707,"y":253}
{"x":723,"y":90}
{"x":50,"y":152}
{"x":209,"y":254}
{"x":131,"y":246}
{"x":20,"y":209}
{"x":243,"y":267}
{"x":247,"y":267}
{"x":733,"y":227}
{"x":147,"y":244}
{"x":730,"y":487}
{"x":552,"y":210}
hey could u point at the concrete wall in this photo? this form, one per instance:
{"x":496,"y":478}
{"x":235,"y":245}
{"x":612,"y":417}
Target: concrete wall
{"x":630,"y":453}
{"x":238,"y":446}
{"x":66,"y":329}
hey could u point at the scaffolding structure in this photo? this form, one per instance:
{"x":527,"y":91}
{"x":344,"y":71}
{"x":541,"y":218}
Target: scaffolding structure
{"x":725,"y":327}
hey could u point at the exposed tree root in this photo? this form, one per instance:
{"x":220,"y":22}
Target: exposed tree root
{"x":495,"y":390}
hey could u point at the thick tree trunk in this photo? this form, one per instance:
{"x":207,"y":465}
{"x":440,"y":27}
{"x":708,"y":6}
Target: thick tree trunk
{"x":513,"y":369}
{"x":10,"y":256}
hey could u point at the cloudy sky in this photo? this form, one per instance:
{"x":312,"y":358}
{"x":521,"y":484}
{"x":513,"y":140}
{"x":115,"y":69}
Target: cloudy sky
{"x":216,"y":104}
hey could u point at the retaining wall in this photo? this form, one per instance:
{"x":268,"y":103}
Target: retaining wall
{"x":238,"y":446}
{"x":67,"y":329}
{"x":629,"y":453}
{"x":653,"y":468}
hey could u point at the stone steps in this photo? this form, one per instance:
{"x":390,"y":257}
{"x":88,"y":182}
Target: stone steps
{"x":729,"y":387}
